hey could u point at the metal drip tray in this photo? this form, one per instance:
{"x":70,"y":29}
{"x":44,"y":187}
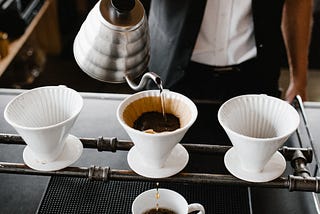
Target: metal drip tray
{"x":78,"y":195}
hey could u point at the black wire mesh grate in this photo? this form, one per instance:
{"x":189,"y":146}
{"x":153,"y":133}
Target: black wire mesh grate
{"x":80,"y":195}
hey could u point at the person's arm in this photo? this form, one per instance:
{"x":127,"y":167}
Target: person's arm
{"x":296,"y":29}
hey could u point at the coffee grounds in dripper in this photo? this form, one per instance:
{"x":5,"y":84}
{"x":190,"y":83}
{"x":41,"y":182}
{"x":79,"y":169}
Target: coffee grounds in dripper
{"x":155,"y":122}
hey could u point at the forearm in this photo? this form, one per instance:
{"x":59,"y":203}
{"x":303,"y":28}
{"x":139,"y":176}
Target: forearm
{"x":296,"y":28}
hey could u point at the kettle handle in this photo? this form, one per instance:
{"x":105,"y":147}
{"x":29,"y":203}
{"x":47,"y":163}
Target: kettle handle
{"x":148,"y":75}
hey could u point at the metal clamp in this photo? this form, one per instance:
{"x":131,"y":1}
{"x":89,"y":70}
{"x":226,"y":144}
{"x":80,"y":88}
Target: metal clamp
{"x":98,"y":173}
{"x":109,"y":144}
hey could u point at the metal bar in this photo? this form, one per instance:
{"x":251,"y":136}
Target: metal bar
{"x":298,"y":103}
{"x":299,"y":164}
{"x":292,"y":183}
{"x":113,"y":144}
{"x":11,"y":139}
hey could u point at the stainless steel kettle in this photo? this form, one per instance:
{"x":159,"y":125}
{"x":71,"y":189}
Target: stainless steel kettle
{"x":112,"y":44}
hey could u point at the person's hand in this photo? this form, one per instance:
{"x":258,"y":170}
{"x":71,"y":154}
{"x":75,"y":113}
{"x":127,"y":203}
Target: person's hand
{"x":296,"y":88}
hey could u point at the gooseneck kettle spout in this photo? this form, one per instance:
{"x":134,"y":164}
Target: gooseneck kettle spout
{"x":149,"y":75}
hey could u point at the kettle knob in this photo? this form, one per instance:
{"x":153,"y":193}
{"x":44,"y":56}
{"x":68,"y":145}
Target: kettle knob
{"x":123,"y":6}
{"x":122,"y":14}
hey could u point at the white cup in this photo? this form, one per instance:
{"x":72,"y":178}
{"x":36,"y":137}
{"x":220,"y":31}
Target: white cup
{"x":257,"y":125}
{"x":169,"y":199}
{"x":154,"y":148}
{"x":43,"y":117}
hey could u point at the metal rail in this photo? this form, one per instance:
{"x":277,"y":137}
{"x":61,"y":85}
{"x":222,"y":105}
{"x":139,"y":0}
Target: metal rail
{"x":113,"y":144}
{"x":292,"y":183}
{"x":299,"y":158}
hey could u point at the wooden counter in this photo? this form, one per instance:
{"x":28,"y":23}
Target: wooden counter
{"x":43,"y":29}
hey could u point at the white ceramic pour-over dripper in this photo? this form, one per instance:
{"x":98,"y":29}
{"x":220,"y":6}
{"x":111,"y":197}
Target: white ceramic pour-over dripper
{"x":43,"y":117}
{"x":168,"y":199}
{"x":257,"y":125}
{"x":154,"y":149}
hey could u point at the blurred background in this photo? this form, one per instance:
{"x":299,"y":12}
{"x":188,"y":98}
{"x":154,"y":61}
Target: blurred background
{"x":45,"y":55}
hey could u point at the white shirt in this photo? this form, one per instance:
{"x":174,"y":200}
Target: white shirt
{"x":226,"y":34}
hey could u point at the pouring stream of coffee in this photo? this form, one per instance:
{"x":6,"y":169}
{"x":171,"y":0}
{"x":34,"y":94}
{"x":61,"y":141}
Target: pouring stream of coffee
{"x":162,"y":98}
{"x":150,"y":121}
{"x":157,"y":197}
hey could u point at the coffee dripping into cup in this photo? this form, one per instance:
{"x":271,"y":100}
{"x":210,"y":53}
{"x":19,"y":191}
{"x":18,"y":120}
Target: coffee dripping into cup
{"x":112,"y":44}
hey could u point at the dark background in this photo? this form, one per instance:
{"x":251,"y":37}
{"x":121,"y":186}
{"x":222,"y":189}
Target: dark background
{"x":41,"y":69}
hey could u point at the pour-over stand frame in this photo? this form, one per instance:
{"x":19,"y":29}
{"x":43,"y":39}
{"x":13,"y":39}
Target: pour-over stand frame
{"x":300,"y":180}
{"x":204,"y":180}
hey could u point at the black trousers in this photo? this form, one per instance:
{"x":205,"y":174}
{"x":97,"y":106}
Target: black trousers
{"x":205,"y":82}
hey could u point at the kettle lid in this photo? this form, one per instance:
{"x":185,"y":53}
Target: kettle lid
{"x":123,"y":15}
